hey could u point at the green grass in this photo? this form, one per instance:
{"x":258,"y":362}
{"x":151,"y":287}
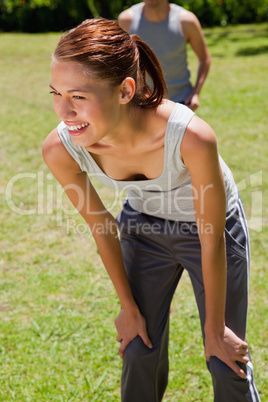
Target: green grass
{"x":57,"y":305}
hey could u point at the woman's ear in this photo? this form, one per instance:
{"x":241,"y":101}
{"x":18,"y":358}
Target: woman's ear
{"x":127,"y":90}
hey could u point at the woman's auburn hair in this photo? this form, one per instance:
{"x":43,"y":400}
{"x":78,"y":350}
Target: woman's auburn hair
{"x":105,"y":49}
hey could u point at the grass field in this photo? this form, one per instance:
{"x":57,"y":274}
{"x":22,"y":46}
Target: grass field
{"x":57,"y":305}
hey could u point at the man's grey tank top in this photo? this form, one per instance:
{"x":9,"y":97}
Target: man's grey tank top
{"x":167,"y":41}
{"x":169,"y":196}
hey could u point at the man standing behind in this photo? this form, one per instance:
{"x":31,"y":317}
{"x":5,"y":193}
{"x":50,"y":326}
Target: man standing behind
{"x":167,"y":28}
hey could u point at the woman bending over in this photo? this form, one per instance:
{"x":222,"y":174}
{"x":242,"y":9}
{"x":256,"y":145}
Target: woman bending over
{"x":182,"y":210}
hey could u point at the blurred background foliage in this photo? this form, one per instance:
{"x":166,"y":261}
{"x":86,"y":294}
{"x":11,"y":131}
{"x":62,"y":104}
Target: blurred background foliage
{"x":58,"y":15}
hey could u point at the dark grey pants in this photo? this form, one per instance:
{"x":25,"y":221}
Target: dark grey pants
{"x":156,"y":252}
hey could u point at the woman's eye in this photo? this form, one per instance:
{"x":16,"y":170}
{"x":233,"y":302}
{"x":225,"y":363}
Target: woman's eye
{"x":54,"y":92}
{"x":78,"y":97}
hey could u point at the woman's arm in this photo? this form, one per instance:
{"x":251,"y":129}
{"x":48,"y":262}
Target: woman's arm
{"x":200,"y":156}
{"x":85,"y":198}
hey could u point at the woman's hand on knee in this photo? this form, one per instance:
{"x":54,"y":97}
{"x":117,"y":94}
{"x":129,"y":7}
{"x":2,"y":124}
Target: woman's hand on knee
{"x":128,"y":326}
{"x":229,"y":348}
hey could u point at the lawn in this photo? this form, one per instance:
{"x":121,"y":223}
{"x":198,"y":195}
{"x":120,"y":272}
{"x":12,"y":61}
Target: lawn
{"x":57,"y":305}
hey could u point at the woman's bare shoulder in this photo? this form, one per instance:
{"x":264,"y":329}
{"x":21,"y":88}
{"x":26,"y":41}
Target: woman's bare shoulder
{"x":55,"y":153}
{"x":199,"y":132}
{"x":165,"y":109}
{"x":199,"y":142}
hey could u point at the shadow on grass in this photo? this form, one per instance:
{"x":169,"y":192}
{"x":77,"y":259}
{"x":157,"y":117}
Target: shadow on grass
{"x":236,"y":34}
{"x":252,"y":51}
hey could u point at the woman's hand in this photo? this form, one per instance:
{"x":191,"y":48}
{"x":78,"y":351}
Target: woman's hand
{"x":128,"y":326}
{"x":228,"y":348}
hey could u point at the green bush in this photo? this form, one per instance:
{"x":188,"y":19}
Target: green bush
{"x":41,"y":15}
{"x":215,"y":12}
{"x":209,"y":12}
{"x":57,"y":15}
{"x":246,"y":11}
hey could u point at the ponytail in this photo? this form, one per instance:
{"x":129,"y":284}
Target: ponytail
{"x":145,"y":96}
{"x":103,"y":47}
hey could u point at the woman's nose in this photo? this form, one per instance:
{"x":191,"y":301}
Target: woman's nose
{"x":66,"y":111}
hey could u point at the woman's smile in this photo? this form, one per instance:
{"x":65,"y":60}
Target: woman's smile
{"x":78,"y":129}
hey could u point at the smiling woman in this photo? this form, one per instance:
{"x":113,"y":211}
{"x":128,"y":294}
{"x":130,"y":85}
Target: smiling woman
{"x":182,"y":211}
{"x":89,"y":108}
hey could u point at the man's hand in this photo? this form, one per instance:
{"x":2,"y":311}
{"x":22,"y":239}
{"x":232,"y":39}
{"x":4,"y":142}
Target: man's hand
{"x":192,"y":101}
{"x":128,"y":326}
{"x":229,"y":349}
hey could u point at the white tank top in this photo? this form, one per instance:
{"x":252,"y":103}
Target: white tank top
{"x":169,"y":196}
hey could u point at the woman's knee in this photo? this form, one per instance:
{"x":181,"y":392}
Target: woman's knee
{"x":136,"y":350}
{"x":139,"y":357}
{"x":220,"y":371}
{"x":228,"y":386}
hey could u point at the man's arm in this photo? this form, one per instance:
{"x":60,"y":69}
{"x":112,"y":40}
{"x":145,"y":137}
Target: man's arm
{"x":193,"y":34}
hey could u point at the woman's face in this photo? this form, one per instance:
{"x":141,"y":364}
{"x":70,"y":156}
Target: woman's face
{"x":88,"y":106}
